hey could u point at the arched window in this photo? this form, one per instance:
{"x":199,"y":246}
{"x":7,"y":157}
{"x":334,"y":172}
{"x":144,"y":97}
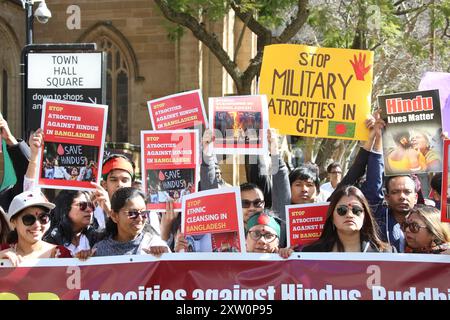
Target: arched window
{"x":117,"y":91}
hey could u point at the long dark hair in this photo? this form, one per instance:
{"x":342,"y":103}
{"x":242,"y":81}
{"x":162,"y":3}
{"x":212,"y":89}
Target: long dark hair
{"x":118,"y":201}
{"x":369,"y":231}
{"x":61,"y":222}
{"x":4,"y":226}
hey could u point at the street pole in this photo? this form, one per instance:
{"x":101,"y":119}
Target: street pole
{"x":29,"y":21}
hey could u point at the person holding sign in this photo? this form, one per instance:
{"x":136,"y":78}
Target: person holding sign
{"x":19,"y":153}
{"x":350,"y":226}
{"x":125,"y":232}
{"x":117,"y":172}
{"x":263,"y":235}
{"x":424,"y":231}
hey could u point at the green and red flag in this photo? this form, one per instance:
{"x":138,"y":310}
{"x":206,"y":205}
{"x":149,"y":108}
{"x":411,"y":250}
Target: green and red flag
{"x":341,"y":129}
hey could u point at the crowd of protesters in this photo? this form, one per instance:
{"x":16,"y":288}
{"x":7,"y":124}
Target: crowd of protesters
{"x":380,"y":214}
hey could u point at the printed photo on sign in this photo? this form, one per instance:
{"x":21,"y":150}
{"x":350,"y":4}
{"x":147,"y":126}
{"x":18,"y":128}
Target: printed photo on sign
{"x":412,"y":139}
{"x":445,"y":190}
{"x":317,"y":92}
{"x":239,"y":124}
{"x":69,"y":162}
{"x":170,"y":167}
{"x":212,"y":221}
{"x":166,"y":184}
{"x":183,"y":110}
{"x":74,"y":135}
{"x":305,"y":222}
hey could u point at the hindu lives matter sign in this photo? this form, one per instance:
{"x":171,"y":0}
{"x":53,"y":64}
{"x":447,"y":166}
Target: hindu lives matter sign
{"x":77,"y":77}
{"x":317,"y":92}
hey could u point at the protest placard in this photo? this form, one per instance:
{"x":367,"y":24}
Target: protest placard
{"x":214,"y":217}
{"x":170,"y":166}
{"x":317,"y":92}
{"x":304,"y":222}
{"x":440,"y":81}
{"x":445,"y":190}
{"x":412,"y":141}
{"x":239,"y":124}
{"x":183,"y":110}
{"x":74,"y":134}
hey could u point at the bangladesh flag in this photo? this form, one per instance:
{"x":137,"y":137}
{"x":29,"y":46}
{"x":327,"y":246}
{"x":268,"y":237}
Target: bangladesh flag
{"x":9,"y":175}
{"x":341,"y":129}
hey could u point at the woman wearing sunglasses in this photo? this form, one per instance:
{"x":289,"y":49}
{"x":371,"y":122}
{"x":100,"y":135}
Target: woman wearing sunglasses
{"x":29,"y":214}
{"x":71,"y":223}
{"x":125,"y":228}
{"x":424,"y":231}
{"x":350,"y":226}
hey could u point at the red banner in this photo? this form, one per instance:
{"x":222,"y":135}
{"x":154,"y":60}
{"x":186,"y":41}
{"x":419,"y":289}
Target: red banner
{"x":305,"y":276}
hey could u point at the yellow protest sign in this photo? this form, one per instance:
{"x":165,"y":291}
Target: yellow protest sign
{"x":317,"y":92}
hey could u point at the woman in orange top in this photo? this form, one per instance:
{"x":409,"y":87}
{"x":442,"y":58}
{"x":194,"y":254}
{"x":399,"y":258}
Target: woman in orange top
{"x":404,"y":158}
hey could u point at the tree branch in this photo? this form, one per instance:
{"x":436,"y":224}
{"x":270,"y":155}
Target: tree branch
{"x":400,"y":13}
{"x":294,"y":26}
{"x":200,"y":32}
{"x":252,"y":24}
{"x":398,"y":3}
{"x":254,"y":67}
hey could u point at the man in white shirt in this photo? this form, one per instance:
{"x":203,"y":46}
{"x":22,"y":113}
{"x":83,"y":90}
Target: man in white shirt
{"x":334,"y":171}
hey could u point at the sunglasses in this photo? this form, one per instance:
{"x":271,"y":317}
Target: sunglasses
{"x":256,"y":235}
{"x":83,"y":205}
{"x":133,"y":214}
{"x":30,"y":219}
{"x":414,"y":227}
{"x":343,"y":209}
{"x":258,"y":203}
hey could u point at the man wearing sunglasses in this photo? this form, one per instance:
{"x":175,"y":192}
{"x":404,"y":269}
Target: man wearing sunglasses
{"x":252,"y":200}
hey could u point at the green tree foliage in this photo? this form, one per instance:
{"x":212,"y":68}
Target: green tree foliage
{"x":408,"y":37}
{"x":262,"y":17}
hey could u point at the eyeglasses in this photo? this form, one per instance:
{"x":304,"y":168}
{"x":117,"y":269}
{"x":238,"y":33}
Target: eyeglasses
{"x":133,"y":214}
{"x":343,"y":209}
{"x":336,"y":172}
{"x":83,"y":205}
{"x":30,"y":219}
{"x":258,"y":203}
{"x":414,"y":227}
{"x":256,"y":235}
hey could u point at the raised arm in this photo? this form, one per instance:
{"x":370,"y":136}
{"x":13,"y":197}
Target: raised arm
{"x":210,"y":175}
